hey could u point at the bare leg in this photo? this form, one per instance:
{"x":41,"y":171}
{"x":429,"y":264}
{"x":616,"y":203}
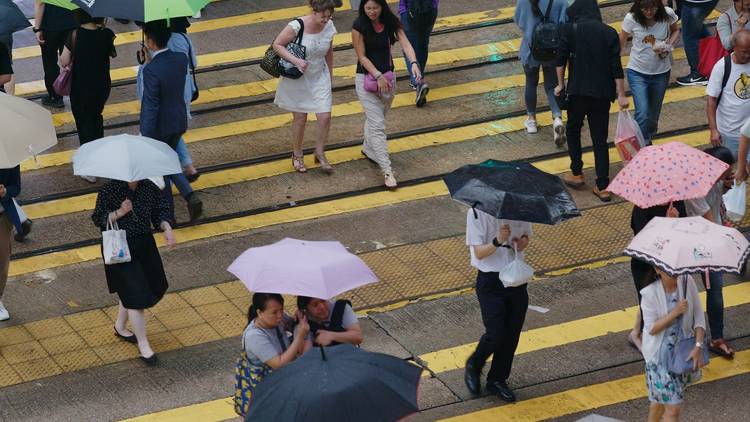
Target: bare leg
{"x":655,"y":412}
{"x":10,"y":87}
{"x":122,"y":320}
{"x":324,"y":126}
{"x":672,"y":413}
{"x":298,"y":132}
{"x":138,"y":321}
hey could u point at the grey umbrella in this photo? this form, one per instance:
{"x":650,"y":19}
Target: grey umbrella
{"x":11,"y":18}
{"x":340,"y":383}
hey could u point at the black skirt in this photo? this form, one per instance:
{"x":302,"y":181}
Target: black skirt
{"x":140,"y":283}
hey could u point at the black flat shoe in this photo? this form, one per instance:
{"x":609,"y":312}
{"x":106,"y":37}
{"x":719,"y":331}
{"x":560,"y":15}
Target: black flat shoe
{"x":25,"y":230}
{"x":471,"y":378}
{"x":501,"y":390}
{"x":151,"y":361}
{"x":129,"y":339}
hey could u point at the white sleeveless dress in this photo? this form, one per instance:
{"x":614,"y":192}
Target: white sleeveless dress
{"x":312,"y":92}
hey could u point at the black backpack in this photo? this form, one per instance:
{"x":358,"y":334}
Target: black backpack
{"x":420,"y":9}
{"x":545,"y":40}
{"x":336,"y":324}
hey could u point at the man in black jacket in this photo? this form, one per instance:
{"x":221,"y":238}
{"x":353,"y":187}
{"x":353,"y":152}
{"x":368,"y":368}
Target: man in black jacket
{"x":592,"y":51}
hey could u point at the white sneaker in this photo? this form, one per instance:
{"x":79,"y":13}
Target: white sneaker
{"x":197,"y":15}
{"x":559,"y":129}
{"x":530,"y":126}
{"x":4,"y":315}
{"x":390,"y":181}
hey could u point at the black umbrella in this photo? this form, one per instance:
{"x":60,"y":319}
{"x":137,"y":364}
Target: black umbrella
{"x":512,"y":191}
{"x":11,"y":18}
{"x":341,"y":383}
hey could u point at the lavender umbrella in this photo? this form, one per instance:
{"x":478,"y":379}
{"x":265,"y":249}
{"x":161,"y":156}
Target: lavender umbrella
{"x":303,"y":268}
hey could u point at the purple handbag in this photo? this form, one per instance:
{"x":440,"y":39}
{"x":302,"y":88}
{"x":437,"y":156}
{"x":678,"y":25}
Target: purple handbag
{"x":64,"y":81}
{"x":371,"y":84}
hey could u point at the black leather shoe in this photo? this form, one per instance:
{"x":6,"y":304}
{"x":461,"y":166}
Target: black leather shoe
{"x":471,"y":378}
{"x":195,"y":207}
{"x":130,"y":339}
{"x":501,"y":390}
{"x":25,"y":230}
{"x":151,"y":361}
{"x":56,"y":102}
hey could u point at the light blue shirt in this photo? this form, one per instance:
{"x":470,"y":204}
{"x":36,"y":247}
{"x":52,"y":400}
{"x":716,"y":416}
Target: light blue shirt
{"x":526,"y":21}
{"x":179,"y":43}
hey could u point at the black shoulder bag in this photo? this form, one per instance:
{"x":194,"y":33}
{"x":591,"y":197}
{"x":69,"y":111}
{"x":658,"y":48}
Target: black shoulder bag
{"x":275,"y":66}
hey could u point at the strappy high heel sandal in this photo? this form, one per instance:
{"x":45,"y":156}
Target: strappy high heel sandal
{"x":324,"y":164}
{"x":298,"y":162}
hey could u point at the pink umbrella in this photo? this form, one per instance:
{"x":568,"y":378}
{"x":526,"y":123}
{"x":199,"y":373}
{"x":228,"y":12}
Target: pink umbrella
{"x":660,"y":174}
{"x":689,"y":245}
{"x":303,"y":268}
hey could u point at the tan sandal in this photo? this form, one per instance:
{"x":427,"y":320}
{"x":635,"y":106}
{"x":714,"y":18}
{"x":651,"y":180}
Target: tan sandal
{"x":324,"y":164}
{"x":298,"y":162}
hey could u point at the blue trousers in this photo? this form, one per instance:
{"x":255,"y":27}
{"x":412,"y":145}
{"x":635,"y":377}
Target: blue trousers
{"x":418,"y":34}
{"x":715,"y":304}
{"x":692,"y":16}
{"x":648,"y":95}
{"x":532,"y":81}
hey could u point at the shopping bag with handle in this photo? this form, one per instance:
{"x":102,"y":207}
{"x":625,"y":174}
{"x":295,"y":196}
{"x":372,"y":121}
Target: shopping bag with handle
{"x":734,"y":201}
{"x":517,"y":273}
{"x":115,"y":244}
{"x":628,"y":137}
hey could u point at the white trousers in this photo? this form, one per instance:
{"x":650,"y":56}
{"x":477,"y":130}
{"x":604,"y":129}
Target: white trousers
{"x":375,"y":107}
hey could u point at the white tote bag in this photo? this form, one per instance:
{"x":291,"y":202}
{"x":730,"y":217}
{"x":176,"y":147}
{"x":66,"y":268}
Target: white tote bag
{"x":734,"y":201}
{"x":115,"y":244}
{"x":517,"y":273}
{"x":21,"y":215}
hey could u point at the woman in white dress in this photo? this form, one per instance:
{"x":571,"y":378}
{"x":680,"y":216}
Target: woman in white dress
{"x":312,"y":92}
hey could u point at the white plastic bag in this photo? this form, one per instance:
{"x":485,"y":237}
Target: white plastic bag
{"x":734,"y":201}
{"x":517,"y":273}
{"x":21,"y":215}
{"x":115,"y":245}
{"x":628,"y":137}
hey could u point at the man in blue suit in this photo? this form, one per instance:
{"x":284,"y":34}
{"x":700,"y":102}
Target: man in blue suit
{"x":163,"y":111}
{"x":10,"y":187}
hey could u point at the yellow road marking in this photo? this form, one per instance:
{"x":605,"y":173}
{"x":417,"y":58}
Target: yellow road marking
{"x":596,"y":396}
{"x":266,"y":86}
{"x":301,"y":213}
{"x":348,"y":109}
{"x":203,"y":26}
{"x":560,"y":334}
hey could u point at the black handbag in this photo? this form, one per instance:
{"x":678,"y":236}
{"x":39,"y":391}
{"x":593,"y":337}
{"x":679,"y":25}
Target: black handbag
{"x":286,"y":69}
{"x":196,"y":92}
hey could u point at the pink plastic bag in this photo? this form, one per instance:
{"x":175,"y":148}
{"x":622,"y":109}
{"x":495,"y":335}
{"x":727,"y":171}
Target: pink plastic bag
{"x":628,"y":137}
{"x":64,"y":81}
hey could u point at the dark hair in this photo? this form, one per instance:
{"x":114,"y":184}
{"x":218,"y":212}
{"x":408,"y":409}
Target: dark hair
{"x":535,"y":7}
{"x":80,"y":17}
{"x":259,"y":304}
{"x":322,"y":5}
{"x":158,"y":32}
{"x":638,"y":5}
{"x":302,"y":302}
{"x":722,"y":153}
{"x":648,"y":277}
{"x":387,"y":18}
{"x":179,"y":25}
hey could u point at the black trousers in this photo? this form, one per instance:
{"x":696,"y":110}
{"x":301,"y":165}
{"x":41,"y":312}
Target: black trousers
{"x":54,"y":41}
{"x":596,"y":110}
{"x":88,"y":117}
{"x":503,"y":313}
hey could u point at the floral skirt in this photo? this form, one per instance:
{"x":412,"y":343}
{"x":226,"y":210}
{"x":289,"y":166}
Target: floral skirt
{"x":666,"y":387}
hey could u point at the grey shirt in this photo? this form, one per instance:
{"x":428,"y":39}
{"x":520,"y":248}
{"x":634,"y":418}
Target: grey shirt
{"x":713,"y":202}
{"x":262,"y":344}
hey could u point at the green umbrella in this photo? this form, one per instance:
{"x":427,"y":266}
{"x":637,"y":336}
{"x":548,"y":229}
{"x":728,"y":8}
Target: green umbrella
{"x":65,"y":4}
{"x":141,"y":10}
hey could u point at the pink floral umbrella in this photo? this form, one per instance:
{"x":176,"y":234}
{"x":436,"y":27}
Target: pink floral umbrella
{"x":660,"y":174}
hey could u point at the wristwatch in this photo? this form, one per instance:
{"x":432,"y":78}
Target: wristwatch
{"x":698,"y":344}
{"x":495,"y":243}
{"x":36,"y":30}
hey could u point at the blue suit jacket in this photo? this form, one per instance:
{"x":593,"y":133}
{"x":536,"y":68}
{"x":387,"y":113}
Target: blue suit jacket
{"x":11,"y":179}
{"x":163,"y":112}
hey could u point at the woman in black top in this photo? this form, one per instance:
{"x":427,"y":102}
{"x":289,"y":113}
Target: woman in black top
{"x":88,"y":50}
{"x":140,"y":283}
{"x":374,"y":32}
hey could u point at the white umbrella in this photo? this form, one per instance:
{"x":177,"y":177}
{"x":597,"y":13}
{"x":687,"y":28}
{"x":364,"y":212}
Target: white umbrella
{"x":27,"y":130}
{"x":125,"y":157}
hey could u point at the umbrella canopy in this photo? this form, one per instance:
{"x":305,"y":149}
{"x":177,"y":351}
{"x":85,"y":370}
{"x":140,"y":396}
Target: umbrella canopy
{"x":344,"y":384}
{"x":125,"y":157}
{"x":65,"y":4}
{"x":301,"y":267}
{"x":689,"y":245}
{"x":663,"y":173}
{"x":27,"y":130}
{"x":141,"y":10}
{"x":11,"y":18}
{"x":512,"y":191}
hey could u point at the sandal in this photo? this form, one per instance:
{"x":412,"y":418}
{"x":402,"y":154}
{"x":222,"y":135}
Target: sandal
{"x":324,"y":164}
{"x":721,"y":348}
{"x":298,"y":162}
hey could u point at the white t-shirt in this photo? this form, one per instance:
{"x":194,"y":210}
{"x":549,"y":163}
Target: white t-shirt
{"x":734,"y":107}
{"x":643,"y":59}
{"x":481,"y":230}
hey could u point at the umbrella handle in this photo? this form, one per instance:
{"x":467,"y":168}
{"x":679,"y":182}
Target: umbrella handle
{"x":473,"y":208}
{"x":323,"y":353}
{"x":33,"y":155}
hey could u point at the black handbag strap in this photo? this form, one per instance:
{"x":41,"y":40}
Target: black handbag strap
{"x":190,"y":59}
{"x":545,"y":18}
{"x":301,"y":31}
{"x":281,"y":339}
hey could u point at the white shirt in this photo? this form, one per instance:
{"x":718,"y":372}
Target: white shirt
{"x":643,"y":59}
{"x":734,"y":107}
{"x":482,"y":229}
